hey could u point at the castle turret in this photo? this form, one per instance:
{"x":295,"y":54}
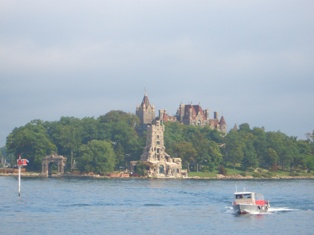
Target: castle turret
{"x":216,"y":115}
{"x":145,"y":112}
{"x":223,"y":125}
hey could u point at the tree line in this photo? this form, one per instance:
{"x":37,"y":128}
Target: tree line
{"x":111,"y":141}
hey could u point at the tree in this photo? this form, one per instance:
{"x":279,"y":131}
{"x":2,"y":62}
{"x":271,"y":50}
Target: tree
{"x":215,"y":155}
{"x":249,"y":156}
{"x":275,"y":149}
{"x":233,"y":149}
{"x":32,"y":142}
{"x":96,"y":156}
{"x":302,"y":150}
{"x":185,"y":151}
{"x":289,"y":151}
{"x":89,"y":130}
{"x":201,"y":145}
{"x":260,"y":144}
{"x":244,"y":128}
{"x":310,"y":138}
{"x":212,"y":134}
{"x":67,"y":134}
{"x":120,"y":130}
{"x":174,"y":133}
{"x":309,"y":162}
{"x":271,"y":158}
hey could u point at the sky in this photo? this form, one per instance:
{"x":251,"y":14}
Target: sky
{"x":251,"y":61}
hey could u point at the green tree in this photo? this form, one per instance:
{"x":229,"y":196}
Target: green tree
{"x":302,"y":150}
{"x":260,"y":144}
{"x":215,"y":156}
{"x":120,"y":129}
{"x":310,"y":136}
{"x":96,"y":156}
{"x":67,"y":135}
{"x":32,"y":142}
{"x":142,"y":167}
{"x":275,"y":150}
{"x":309,"y":162}
{"x":244,"y":128}
{"x":174,"y":133}
{"x":233,"y":150}
{"x":289,"y":151}
{"x":249,"y":153}
{"x":185,"y":151}
{"x":271,"y":158}
{"x":249,"y":156}
{"x":212,"y":134}
{"x":89,"y":129}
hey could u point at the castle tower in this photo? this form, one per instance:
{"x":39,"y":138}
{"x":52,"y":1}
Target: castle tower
{"x":145,"y":112}
{"x":160,"y":164}
{"x":223,"y":125}
{"x":155,"y":149}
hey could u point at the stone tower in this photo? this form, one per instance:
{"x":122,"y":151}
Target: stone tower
{"x":155,"y":149}
{"x":223,"y":125}
{"x":145,"y":112}
{"x":161,"y":163}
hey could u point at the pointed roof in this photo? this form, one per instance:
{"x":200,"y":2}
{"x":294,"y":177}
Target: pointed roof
{"x":192,"y":110}
{"x":145,"y":102}
{"x":222,"y":121}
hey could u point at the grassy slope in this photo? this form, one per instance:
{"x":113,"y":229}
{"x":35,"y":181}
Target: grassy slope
{"x":260,"y":174}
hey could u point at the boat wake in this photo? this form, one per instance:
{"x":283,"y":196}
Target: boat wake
{"x":280,"y":209}
{"x":271,"y":210}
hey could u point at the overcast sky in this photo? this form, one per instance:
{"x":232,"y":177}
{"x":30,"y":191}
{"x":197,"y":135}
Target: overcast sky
{"x":252,"y":61}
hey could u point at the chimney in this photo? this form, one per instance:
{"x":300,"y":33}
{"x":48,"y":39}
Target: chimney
{"x":216,"y":115}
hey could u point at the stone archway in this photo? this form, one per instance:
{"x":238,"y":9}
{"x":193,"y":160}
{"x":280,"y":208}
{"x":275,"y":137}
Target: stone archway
{"x":161,"y":169}
{"x":59,"y":160}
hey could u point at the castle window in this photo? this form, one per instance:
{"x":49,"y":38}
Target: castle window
{"x":158,"y":142}
{"x":161,"y":169}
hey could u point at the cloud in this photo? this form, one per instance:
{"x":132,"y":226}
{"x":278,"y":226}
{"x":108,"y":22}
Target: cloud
{"x":250,"y":60}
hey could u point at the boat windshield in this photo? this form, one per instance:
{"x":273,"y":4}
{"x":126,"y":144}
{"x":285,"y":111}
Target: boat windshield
{"x":259,"y":196}
{"x":243,"y":196}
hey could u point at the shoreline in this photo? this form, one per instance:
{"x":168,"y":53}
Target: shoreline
{"x":218,"y":177}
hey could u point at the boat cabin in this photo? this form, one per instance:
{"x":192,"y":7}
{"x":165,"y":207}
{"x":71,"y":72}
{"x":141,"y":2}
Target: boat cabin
{"x":244,"y":197}
{"x":248,"y":198}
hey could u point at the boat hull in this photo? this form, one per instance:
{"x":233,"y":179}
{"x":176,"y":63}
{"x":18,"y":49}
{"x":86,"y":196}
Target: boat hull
{"x":249,"y":209}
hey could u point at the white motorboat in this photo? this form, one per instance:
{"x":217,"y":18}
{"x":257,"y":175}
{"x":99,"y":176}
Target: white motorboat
{"x":249,"y":202}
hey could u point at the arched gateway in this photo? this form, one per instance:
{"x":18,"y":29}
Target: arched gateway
{"x":47,"y":161}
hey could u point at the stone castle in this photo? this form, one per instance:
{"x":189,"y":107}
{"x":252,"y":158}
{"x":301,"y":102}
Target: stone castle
{"x":159,"y":163}
{"x":187,"y":114}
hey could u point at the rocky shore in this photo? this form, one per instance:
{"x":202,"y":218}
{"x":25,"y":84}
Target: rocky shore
{"x":240,"y":177}
{"x":125,"y":175}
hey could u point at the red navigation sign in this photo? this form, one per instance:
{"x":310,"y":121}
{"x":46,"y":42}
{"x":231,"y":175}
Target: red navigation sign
{"x":21,"y":162}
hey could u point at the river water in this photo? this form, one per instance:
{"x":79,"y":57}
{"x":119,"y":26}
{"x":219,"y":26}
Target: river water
{"x":151,"y":206}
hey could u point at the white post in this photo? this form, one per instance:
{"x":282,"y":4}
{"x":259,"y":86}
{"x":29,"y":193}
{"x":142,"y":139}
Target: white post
{"x":19,"y":180}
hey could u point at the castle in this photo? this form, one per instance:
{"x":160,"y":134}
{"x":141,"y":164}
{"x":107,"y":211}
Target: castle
{"x":159,"y":163}
{"x":187,"y":114}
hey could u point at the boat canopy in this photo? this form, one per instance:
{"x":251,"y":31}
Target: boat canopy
{"x":244,"y":195}
{"x":248,"y":195}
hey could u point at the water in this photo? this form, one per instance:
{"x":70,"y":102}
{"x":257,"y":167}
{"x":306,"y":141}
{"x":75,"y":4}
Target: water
{"x":120,"y":206}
